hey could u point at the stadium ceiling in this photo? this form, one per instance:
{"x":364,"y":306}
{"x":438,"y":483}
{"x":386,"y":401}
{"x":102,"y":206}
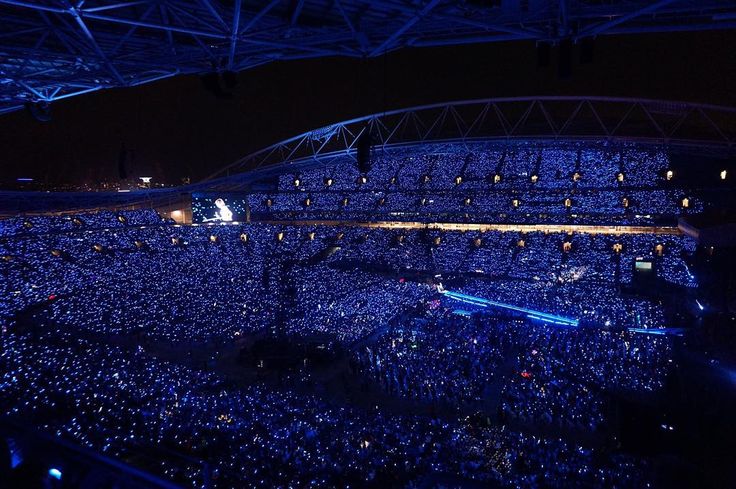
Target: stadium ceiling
{"x":684,"y":126}
{"x":697,"y":129}
{"x":54,"y":49}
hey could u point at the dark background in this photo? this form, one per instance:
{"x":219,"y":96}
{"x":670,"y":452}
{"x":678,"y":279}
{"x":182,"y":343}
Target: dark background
{"x":174,"y":128}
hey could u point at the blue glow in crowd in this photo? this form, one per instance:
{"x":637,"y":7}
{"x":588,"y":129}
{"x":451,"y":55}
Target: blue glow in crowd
{"x":103,"y":315}
{"x":525,"y":182}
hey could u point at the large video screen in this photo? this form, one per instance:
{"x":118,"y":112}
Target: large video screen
{"x":218,"y":207}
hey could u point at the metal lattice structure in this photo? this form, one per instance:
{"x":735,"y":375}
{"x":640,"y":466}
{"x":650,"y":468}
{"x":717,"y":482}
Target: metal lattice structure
{"x":694,"y":128}
{"x":54,"y":49}
{"x":689,"y":126}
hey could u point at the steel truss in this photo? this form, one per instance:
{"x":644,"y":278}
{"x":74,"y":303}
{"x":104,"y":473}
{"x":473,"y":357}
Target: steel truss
{"x":674,"y":124}
{"x":697,"y":128}
{"x":54,"y":49}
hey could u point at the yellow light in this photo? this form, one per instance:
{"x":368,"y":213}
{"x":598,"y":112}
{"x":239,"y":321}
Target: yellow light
{"x":724,"y":174}
{"x":670,"y":174}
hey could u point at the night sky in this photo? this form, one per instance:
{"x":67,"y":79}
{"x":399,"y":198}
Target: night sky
{"x":174,"y":128}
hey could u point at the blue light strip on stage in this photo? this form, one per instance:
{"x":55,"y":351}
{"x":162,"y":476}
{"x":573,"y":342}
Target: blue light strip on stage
{"x":658,"y":332}
{"x":531,"y":314}
{"x":545,"y":317}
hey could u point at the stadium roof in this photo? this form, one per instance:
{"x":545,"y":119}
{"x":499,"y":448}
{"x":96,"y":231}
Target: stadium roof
{"x":687,"y":126}
{"x":54,"y":49}
{"x":669,"y":125}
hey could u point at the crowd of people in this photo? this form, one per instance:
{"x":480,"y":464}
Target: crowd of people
{"x":240,"y":278}
{"x":522,"y":183}
{"x":29,"y":225}
{"x":533,"y":373}
{"x":91,"y":301}
{"x":194,"y":426}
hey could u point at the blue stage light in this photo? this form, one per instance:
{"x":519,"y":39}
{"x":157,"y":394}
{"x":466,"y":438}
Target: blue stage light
{"x":538,"y":315}
{"x":55,"y":473}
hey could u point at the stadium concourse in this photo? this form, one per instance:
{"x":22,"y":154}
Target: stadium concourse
{"x":448,"y":316}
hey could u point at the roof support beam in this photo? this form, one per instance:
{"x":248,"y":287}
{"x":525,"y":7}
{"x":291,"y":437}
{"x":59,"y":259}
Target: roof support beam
{"x":165,"y":18}
{"x":102,"y":44}
{"x":213,"y":11}
{"x":345,"y":17}
{"x":408,"y":25}
{"x":234,"y":34}
{"x":154,"y":25}
{"x":132,"y":29}
{"x":297,"y":12}
{"x":600,"y":28}
{"x":359,"y":36}
{"x":95,"y":46}
{"x":564,"y":18}
{"x":259,"y":15}
{"x":116,"y":6}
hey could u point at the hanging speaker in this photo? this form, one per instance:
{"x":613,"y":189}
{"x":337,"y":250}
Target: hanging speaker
{"x":41,"y":111}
